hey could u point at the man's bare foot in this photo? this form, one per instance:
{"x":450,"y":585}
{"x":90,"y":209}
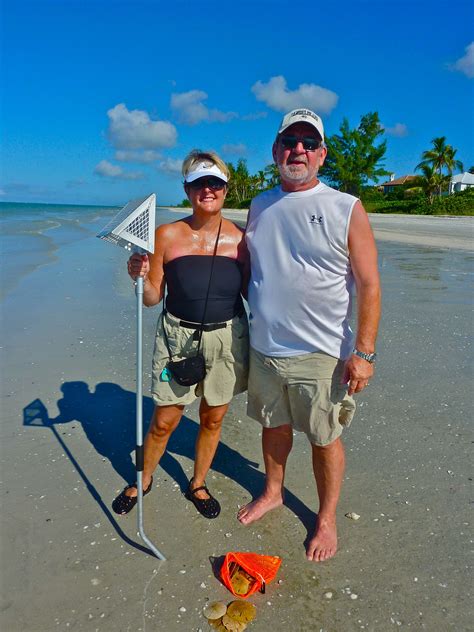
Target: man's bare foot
{"x":258,"y":508}
{"x":323,"y":544}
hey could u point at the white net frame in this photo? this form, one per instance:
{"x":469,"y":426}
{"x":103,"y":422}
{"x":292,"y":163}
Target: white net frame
{"x":133,"y":228}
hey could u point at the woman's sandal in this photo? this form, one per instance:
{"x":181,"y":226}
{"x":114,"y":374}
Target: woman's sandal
{"x":208,"y":507}
{"x":123,"y":504}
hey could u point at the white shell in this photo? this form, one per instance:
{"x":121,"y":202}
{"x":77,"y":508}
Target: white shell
{"x":214,"y":610}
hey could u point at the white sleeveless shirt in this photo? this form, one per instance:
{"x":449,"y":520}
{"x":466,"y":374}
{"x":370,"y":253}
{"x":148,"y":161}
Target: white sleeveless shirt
{"x":301,"y":282}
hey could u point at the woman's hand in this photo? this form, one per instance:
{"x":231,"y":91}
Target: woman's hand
{"x":138,"y":266}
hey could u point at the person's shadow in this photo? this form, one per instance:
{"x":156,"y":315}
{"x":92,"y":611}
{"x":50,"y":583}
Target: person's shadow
{"x":107,"y":416}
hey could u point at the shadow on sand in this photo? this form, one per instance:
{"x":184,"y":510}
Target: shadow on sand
{"x":107,"y":416}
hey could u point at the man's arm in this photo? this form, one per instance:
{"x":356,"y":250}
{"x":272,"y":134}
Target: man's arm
{"x":363,"y":256}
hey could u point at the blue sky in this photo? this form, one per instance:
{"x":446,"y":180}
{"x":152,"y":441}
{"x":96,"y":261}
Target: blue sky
{"x":102,"y":99}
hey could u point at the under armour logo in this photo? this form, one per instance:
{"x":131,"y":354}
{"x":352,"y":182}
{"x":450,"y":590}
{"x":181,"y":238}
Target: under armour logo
{"x":316,"y":220}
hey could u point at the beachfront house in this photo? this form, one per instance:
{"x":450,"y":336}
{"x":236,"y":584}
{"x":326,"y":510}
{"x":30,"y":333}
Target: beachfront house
{"x":461,"y":181}
{"x":395,"y":183}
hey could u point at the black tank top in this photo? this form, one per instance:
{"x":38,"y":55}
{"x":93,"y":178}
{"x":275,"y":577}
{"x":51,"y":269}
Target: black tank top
{"x":187,"y":279}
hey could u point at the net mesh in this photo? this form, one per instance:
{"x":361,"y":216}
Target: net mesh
{"x":139,"y":226}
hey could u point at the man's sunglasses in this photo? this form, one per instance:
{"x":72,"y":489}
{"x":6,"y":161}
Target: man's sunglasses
{"x":211,"y":182}
{"x":309,"y":144}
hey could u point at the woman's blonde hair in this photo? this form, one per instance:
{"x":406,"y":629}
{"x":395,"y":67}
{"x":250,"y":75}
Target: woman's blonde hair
{"x":196,"y":155}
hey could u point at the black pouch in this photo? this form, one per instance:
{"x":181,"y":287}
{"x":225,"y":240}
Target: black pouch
{"x":188,"y":371}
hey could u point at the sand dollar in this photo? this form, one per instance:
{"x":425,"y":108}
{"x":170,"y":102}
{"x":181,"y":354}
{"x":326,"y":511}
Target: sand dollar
{"x":214,"y":610}
{"x":232,"y":625}
{"x":240,"y":583}
{"x":241,"y":611}
{"x":217,"y":624}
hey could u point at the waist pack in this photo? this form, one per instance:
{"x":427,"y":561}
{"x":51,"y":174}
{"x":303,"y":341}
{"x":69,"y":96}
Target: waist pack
{"x":188,"y":371}
{"x":247,"y":573}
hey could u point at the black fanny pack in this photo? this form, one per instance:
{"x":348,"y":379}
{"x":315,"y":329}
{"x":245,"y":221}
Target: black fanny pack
{"x":188,"y":371}
{"x":191,"y":370}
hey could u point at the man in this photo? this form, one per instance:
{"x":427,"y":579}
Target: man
{"x":309,"y":244}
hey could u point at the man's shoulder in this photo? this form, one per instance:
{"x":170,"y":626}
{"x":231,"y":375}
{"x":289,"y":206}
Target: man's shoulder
{"x":265,"y":196}
{"x":325,"y":189}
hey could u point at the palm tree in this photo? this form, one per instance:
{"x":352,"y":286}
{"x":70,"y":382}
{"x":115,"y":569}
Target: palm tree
{"x":441,"y":156}
{"x":431,"y":181}
{"x":272,"y":176}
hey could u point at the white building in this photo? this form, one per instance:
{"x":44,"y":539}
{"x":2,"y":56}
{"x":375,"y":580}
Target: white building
{"x":461,"y":181}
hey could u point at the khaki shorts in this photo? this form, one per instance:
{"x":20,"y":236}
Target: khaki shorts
{"x":303,"y":391}
{"x":226,"y":352}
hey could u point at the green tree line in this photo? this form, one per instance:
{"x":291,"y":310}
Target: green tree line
{"x":356,"y":158}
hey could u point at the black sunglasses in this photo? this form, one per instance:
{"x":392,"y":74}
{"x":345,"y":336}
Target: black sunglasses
{"x":211,"y":182}
{"x":309,"y":144}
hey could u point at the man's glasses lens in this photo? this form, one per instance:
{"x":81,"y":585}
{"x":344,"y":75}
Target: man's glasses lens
{"x":216,"y":184}
{"x":309,"y":144}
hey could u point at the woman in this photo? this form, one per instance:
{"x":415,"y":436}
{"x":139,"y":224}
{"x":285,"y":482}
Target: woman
{"x":183,"y":258}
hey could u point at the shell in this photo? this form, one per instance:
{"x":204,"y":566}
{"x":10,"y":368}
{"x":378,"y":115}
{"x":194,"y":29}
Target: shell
{"x":214,"y":610}
{"x":232,"y":625}
{"x":240,"y":583}
{"x":217,"y":624}
{"x":352,"y":515}
{"x":241,"y":611}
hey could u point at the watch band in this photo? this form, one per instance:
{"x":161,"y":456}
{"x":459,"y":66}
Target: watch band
{"x":370,"y":357}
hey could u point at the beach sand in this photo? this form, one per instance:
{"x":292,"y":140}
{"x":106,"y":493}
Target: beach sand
{"x":67,"y":436}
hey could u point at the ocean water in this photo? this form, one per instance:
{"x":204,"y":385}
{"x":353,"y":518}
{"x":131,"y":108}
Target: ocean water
{"x":30,"y":234}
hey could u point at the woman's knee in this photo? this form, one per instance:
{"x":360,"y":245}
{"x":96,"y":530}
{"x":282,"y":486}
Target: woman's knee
{"x":164,"y":422}
{"x":212,"y":423}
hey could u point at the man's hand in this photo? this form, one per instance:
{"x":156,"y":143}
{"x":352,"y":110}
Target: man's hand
{"x":357,"y":373}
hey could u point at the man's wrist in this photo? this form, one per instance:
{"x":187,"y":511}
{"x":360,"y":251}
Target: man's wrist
{"x":369,"y":357}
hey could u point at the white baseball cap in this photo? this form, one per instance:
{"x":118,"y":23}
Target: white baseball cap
{"x":202,"y":169}
{"x":302,"y":115}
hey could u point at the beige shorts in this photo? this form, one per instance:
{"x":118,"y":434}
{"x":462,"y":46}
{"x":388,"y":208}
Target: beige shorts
{"x":303,"y":391}
{"x":226,"y":352}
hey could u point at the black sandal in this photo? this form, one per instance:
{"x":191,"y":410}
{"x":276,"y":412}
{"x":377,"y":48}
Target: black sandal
{"x":123,"y":504}
{"x":208,"y":507}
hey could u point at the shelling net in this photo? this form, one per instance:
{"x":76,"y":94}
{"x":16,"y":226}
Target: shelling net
{"x":134,"y":226}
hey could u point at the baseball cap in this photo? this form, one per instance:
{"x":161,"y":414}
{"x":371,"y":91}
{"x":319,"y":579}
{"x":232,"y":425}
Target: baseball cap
{"x":204,"y":168}
{"x":302,"y":115}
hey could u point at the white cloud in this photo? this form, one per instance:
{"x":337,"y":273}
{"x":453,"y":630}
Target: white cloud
{"x":106,"y":169}
{"x":465,"y":64}
{"x":276,"y":95}
{"x":238,"y":149}
{"x":399,"y":129}
{"x":254,"y":116}
{"x":144,"y":157}
{"x":171,"y":166}
{"x":135,"y":130}
{"x":190,"y":109}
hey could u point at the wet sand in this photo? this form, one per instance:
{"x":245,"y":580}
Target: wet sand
{"x":67,"y":439}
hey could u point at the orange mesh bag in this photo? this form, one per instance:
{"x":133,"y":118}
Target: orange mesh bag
{"x":246,"y":573}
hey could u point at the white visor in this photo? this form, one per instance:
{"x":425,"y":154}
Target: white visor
{"x":202,"y":169}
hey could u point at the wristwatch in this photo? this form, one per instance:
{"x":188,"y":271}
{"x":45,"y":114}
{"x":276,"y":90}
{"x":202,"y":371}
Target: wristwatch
{"x":370,"y":357}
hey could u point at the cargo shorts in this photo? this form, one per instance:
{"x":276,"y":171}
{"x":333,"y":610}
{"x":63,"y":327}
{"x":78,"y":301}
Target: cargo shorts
{"x":226,"y":354}
{"x":304,"y":391}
